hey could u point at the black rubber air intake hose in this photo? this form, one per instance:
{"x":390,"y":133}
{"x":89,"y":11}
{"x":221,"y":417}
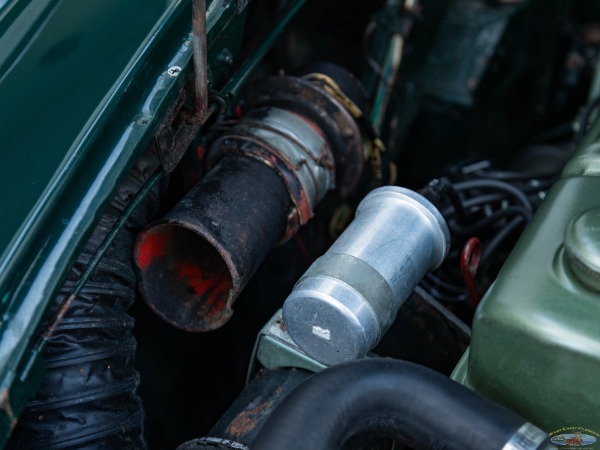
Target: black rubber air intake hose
{"x":87,"y":399}
{"x":395,"y":399}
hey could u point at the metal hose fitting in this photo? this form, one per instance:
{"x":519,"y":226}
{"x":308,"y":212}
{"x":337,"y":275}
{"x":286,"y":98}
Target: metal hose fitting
{"x":349,"y":297}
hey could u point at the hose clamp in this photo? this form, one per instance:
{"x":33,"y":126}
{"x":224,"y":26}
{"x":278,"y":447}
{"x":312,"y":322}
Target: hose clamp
{"x":527,"y":437}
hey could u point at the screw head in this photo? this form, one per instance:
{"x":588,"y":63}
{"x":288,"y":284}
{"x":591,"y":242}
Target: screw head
{"x":174,"y":71}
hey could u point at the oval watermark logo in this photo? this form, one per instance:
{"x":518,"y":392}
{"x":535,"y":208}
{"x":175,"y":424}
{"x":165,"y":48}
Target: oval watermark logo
{"x":575,"y":438}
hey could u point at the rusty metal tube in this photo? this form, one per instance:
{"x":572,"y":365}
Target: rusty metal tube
{"x":194,"y":262}
{"x":268,"y":172}
{"x":200,"y":59}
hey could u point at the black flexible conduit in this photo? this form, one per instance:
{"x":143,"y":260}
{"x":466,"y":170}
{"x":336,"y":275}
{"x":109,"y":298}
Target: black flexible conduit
{"x":87,"y":399}
{"x":392,"y":398}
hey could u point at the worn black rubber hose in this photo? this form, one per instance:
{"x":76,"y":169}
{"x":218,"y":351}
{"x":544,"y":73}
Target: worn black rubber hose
{"x":391,"y":398}
{"x":87,"y":399}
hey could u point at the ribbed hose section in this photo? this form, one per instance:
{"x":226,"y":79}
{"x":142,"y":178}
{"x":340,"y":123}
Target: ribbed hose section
{"x":87,"y":399}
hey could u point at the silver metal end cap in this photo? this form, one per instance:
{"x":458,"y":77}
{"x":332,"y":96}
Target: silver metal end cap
{"x":330,"y":321}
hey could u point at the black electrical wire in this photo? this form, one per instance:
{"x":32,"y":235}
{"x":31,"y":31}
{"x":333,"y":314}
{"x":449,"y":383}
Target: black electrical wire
{"x":502,"y":175}
{"x":496,"y":185}
{"x":492,"y":219}
{"x":443,"y":297}
{"x":484,"y":199}
{"x":509,"y":176}
{"x":478,"y":201}
{"x":472,"y":210}
{"x":495,"y":242}
{"x":445,"y":284}
{"x":491,"y":209}
{"x":455,"y":199}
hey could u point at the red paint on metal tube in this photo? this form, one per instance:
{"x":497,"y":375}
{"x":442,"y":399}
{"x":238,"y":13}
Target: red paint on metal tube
{"x":151,"y":247}
{"x":212,"y":285}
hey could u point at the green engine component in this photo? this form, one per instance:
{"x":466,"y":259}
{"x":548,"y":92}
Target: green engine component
{"x":536,"y":335}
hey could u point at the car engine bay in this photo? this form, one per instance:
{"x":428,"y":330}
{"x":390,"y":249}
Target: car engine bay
{"x":354,"y":225}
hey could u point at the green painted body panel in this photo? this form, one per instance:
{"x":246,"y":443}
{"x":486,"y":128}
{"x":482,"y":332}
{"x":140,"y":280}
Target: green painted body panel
{"x":83,"y":86}
{"x":47,"y":99}
{"x":536,"y":335}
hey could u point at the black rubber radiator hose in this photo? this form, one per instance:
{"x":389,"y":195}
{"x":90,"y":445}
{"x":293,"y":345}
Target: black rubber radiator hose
{"x":396,"y":399}
{"x":87,"y":399}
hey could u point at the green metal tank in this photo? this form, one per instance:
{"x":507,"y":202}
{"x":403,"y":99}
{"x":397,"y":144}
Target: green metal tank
{"x":536,"y":335}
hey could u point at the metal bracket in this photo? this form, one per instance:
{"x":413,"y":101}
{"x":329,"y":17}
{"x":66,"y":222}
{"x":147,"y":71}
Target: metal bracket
{"x":275,"y":348}
{"x":171,"y":140}
{"x":200,"y":60}
{"x":172,"y":143}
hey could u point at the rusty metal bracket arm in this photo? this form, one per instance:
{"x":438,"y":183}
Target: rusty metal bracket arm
{"x":200,"y":60}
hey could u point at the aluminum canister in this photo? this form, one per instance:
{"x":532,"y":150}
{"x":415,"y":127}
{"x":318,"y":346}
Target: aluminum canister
{"x":349,"y":297}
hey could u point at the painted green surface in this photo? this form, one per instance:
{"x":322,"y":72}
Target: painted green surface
{"x":536,"y":336}
{"x":83,"y":85}
{"x":58,"y":60}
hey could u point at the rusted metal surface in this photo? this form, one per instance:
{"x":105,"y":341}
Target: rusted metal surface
{"x":180,"y":126}
{"x":194,"y":262}
{"x":199,"y":49}
{"x":310,"y":100}
{"x":174,"y":136}
{"x":245,"y":418}
{"x":267,"y":173}
{"x":177,"y":131}
{"x":251,"y":148}
{"x":300,"y":155}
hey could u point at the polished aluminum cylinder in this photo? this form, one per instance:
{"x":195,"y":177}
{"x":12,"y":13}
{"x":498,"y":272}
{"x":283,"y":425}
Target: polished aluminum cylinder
{"x":349,"y":297}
